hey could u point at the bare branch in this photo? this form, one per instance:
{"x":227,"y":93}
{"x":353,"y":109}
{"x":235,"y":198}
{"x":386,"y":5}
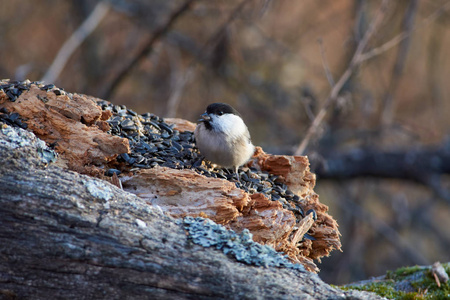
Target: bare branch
{"x":397,"y":39}
{"x":178,"y":82}
{"x":325,"y":63}
{"x":75,"y":40}
{"x":388,"y":101}
{"x":183,"y":79}
{"x":422,"y":165}
{"x":356,"y":60}
{"x":158,"y":33}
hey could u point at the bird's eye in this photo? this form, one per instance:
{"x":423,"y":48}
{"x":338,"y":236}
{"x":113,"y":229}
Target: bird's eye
{"x":220,"y":113}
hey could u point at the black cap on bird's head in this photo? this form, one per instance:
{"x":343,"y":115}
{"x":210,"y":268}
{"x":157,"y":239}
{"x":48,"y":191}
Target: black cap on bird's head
{"x":220,"y":109}
{"x":217,"y":109}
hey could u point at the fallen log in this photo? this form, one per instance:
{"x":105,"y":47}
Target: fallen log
{"x":68,"y":235}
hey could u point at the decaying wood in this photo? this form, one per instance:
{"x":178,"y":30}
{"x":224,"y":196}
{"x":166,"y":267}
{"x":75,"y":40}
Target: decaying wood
{"x":186,"y":193}
{"x":77,"y":126}
{"x":439,"y":274}
{"x":71,"y":236}
{"x":181,"y":124}
{"x":294,"y":169}
{"x":295,"y":173}
{"x":303,"y":226}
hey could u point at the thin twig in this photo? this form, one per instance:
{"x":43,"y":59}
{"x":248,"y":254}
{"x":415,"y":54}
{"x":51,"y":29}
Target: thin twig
{"x":388,"y":101}
{"x":183,"y":79}
{"x":75,"y":40}
{"x":397,"y":39}
{"x":433,"y":181}
{"x":158,"y":33}
{"x":178,"y":81}
{"x":325,"y":63}
{"x":356,"y":60}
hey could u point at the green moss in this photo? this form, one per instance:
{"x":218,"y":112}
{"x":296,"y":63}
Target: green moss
{"x":384,"y":289}
{"x":418,"y":282}
{"x":402,"y":272}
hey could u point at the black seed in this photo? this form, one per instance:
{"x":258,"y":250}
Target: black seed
{"x":278,"y":189}
{"x":140,"y":159}
{"x":299,"y":209}
{"x":15,"y":91}
{"x":160,"y":146}
{"x":166,"y":127}
{"x":11,"y":96}
{"x":142,"y":166}
{"x":178,"y":146}
{"x":132,"y":112}
{"x":169,"y":164}
{"x":127,"y":123}
{"x":154,"y":125}
{"x":23,"y":87}
{"x":197,"y":164}
{"x":42,"y":98}
{"x":157,"y":160}
{"x":267,"y":190}
{"x":275,"y":197}
{"x":125,"y":157}
{"x":142,"y":147}
{"x":152,"y":149}
{"x":21,"y":124}
{"x":202,"y":170}
{"x":312,"y":211}
{"x":309,"y":237}
{"x":174,"y":150}
{"x":110,"y":172}
{"x":255,"y":180}
{"x":13,"y":116}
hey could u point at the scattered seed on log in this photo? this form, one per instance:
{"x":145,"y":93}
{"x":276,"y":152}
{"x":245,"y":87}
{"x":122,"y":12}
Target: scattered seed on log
{"x":154,"y":142}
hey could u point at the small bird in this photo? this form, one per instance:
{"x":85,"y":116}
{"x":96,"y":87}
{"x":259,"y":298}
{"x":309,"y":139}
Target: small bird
{"x":223,"y":138}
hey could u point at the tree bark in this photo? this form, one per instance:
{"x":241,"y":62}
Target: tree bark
{"x":69,"y":236}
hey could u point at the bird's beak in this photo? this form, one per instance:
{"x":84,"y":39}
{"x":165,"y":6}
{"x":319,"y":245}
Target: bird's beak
{"x":204,"y":118}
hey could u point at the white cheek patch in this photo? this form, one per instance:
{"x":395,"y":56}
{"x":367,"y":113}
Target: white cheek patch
{"x":231,"y":125}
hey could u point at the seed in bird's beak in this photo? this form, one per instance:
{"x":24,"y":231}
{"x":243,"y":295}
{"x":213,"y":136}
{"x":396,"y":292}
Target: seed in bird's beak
{"x":205,"y":118}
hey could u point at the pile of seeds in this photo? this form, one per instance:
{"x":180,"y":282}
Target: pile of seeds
{"x":13,"y":89}
{"x":11,"y":119}
{"x":154,"y":142}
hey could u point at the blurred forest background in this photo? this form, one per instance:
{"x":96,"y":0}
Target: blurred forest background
{"x":381,"y":151}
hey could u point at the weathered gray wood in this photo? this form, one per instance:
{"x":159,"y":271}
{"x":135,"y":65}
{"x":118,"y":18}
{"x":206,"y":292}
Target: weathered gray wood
{"x":68,"y":236}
